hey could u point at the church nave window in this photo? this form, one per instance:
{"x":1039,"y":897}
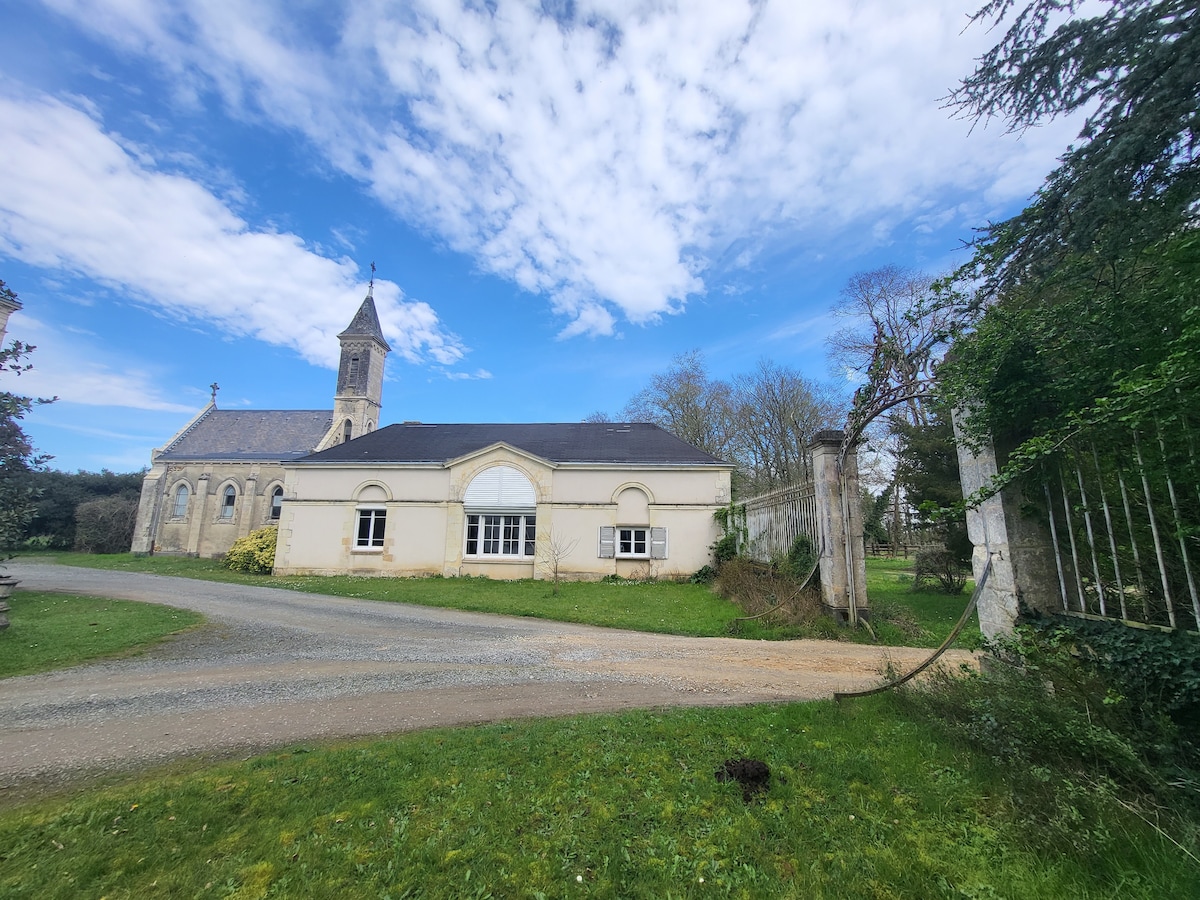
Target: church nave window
{"x":179,"y":510}
{"x":228,"y":501}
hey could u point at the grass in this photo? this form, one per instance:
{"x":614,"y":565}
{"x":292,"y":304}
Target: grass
{"x":901,"y":616}
{"x":904,"y":617}
{"x":863,"y":802}
{"x":666,"y":607}
{"x":53,"y":631}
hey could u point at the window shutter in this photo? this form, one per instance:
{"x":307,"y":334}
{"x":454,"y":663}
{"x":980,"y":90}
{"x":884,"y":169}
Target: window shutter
{"x":608,"y":542}
{"x":658,"y":543}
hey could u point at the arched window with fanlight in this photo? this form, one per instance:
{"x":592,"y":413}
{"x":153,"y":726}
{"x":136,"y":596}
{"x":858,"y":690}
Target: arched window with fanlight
{"x":276,"y":503}
{"x":179,"y":508}
{"x":228,"y":502}
{"x":501,"y":514}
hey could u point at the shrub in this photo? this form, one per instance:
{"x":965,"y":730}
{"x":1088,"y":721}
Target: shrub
{"x":942,"y":565}
{"x":724,"y":550}
{"x":1065,"y":703}
{"x":757,"y":589}
{"x":105,"y":525}
{"x":801,"y":557}
{"x":255,"y":553}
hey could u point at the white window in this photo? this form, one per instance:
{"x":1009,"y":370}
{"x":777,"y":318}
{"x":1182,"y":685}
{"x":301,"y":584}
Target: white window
{"x":501,"y":520}
{"x":499,"y":534}
{"x":633,"y":542}
{"x":181,"y":499}
{"x":371,"y":525}
{"x":228,"y":502}
{"x":276,"y":503}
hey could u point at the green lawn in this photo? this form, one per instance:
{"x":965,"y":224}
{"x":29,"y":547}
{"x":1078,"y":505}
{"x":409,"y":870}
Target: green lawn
{"x":53,"y":631}
{"x":921,"y":618}
{"x":901,"y":616}
{"x":863,"y":802}
{"x":666,"y":606}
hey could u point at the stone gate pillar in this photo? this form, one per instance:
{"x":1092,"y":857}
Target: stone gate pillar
{"x":1024,"y":575}
{"x":839,"y":521}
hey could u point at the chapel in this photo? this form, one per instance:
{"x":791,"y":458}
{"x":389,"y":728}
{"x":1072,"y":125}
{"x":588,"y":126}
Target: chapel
{"x":221,"y":476}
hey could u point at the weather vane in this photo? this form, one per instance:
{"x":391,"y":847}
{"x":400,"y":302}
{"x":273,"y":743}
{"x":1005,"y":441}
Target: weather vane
{"x":372,"y":285}
{"x":214,"y":387}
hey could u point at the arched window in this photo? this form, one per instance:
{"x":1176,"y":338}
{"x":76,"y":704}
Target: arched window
{"x":347,"y":430}
{"x":228,"y":501}
{"x":276,"y":503}
{"x":501,"y":517}
{"x":181,"y":500}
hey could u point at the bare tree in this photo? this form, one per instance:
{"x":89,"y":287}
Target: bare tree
{"x":686,"y":402}
{"x":776,"y":413}
{"x":898,"y":326}
{"x":903,"y":320}
{"x":552,"y":551}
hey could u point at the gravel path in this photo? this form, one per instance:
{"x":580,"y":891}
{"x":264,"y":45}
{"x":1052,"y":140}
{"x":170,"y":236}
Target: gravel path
{"x":275,"y":666}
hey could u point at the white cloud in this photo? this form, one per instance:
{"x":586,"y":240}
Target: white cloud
{"x":600,"y":156}
{"x":477,"y":375}
{"x":71,"y":197}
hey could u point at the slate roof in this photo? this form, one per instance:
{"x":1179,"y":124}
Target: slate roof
{"x":251,"y":434}
{"x":572,"y":442}
{"x":366,"y":323}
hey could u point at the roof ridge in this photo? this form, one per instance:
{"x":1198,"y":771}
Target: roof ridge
{"x":190,"y":427}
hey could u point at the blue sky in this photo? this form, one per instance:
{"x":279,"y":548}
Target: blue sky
{"x":559,"y":196}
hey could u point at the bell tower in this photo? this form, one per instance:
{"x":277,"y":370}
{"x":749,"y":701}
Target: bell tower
{"x":356,"y":405}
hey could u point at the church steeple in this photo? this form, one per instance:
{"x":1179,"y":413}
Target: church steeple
{"x":356,"y":405}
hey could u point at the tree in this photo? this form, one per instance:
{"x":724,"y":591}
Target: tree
{"x":687,"y":403}
{"x":775,"y":413}
{"x":902,"y":322}
{"x":552,"y":551}
{"x":18,"y":459}
{"x":1086,"y":314}
{"x":1133,"y":177}
{"x":60,"y":493}
{"x":899,"y":322}
{"x":105,"y":525}
{"x":763,"y":421}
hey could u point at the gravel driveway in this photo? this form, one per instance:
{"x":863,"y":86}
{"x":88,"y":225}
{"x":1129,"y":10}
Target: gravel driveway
{"x":275,"y":666}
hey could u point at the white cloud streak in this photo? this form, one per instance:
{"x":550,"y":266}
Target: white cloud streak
{"x":605,"y":157}
{"x":72,"y":197}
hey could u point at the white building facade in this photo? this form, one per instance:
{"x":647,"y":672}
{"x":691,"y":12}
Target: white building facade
{"x":504,"y":501}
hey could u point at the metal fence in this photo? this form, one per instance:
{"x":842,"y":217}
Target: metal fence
{"x":774,"y":520}
{"x":1123,"y":512}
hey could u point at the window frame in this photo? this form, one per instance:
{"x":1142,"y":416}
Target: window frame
{"x":502,"y":530}
{"x":609,"y":546}
{"x":228,"y":509}
{"x":181,"y":490}
{"x":275,"y":509}
{"x":375,"y":518}
{"x":633,"y":541}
